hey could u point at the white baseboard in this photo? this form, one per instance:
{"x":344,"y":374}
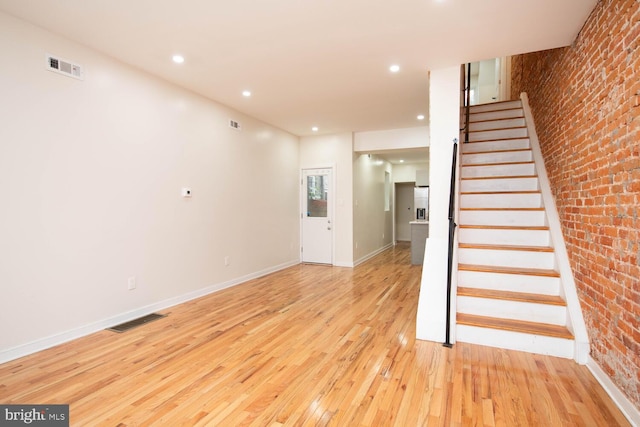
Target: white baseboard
{"x":343,"y":264}
{"x":372,"y":254}
{"x":626,"y":407}
{"x":62,"y":337}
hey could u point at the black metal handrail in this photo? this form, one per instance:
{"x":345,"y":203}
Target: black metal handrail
{"x":452,"y":230}
{"x":452,"y":202}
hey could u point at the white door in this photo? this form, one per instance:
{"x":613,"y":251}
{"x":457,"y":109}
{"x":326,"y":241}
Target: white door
{"x":317,"y":207}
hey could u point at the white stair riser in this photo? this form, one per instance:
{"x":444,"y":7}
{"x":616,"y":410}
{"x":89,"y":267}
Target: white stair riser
{"x":495,"y":106}
{"x":506,"y":258}
{"x":517,"y":310}
{"x":497,"y":124}
{"x":487,"y":135}
{"x":515,"y":169}
{"x":504,"y":237}
{"x":488,"y":146}
{"x":509,"y":282}
{"x":496,"y":115}
{"x":517,"y":218}
{"x":538,"y":344}
{"x":500,"y":184}
{"x":498,"y":157}
{"x":501,"y":200}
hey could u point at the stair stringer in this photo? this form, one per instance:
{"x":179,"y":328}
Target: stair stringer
{"x":454,"y":255}
{"x":575,"y":319}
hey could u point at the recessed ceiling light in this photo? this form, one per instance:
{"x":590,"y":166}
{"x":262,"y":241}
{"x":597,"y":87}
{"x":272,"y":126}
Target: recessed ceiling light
{"x":246,"y":93}
{"x":420,"y":117}
{"x":401,"y":161}
{"x":178,"y":59}
{"x":315,"y":128}
{"x":394,"y":68}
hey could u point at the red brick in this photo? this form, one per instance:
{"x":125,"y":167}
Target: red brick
{"x":585,"y":99}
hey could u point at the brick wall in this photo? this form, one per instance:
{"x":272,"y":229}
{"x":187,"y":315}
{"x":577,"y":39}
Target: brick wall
{"x":586,"y":103}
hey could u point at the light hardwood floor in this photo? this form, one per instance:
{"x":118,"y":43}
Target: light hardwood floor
{"x":310,"y":345}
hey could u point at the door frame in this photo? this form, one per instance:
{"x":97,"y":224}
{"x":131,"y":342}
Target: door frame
{"x":505,"y":78}
{"x":410,"y":184}
{"x":332,"y":205}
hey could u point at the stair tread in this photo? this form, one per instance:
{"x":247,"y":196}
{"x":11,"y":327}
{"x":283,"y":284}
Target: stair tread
{"x":530,"y":162}
{"x":497,"y":110}
{"x":509,"y":270}
{"x":470,"y":178}
{"x":511,"y":296}
{"x":505,"y":227}
{"x":514,"y":325}
{"x":510,"y":150}
{"x":497,"y":104}
{"x":506,"y":247}
{"x":496,"y":140}
{"x":501,"y":209}
{"x":497,"y":119}
{"x":475,"y":120}
{"x":501,"y":192}
{"x":491,"y":130}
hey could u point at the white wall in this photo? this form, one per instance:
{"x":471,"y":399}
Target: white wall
{"x":392,"y":139}
{"x":444,"y":105}
{"x":407,"y":172}
{"x":335,"y":151}
{"x":372,"y":225}
{"x":90,"y":177}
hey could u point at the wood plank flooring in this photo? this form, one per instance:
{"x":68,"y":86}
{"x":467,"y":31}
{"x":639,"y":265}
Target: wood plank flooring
{"x":310,"y":345}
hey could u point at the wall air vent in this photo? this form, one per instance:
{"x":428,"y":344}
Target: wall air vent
{"x":64,"y":67}
{"x":235,"y":125}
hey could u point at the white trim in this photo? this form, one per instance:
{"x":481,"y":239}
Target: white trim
{"x":344,"y":264}
{"x":568,"y":285}
{"x":505,"y":78}
{"x":624,"y":404}
{"x":372,"y":254}
{"x":62,"y":337}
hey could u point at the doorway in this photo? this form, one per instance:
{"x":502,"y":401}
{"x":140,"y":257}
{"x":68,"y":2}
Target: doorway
{"x":490,"y":80}
{"x":317,"y":216}
{"x":404,"y":210}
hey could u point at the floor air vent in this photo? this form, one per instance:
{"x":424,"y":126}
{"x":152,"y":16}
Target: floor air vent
{"x":123,"y":327}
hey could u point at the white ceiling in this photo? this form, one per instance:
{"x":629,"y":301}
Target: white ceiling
{"x":310,"y":62}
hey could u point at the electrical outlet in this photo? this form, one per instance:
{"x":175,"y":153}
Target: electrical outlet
{"x":226,"y":261}
{"x":131,"y":283}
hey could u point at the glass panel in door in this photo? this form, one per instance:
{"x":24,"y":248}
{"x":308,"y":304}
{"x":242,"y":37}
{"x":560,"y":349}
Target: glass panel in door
{"x":317,"y":193}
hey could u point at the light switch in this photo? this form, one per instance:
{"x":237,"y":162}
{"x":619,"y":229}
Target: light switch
{"x":186,"y":192}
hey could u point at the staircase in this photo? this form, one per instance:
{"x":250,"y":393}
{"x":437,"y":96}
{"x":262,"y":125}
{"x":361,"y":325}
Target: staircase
{"x":509,"y":290}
